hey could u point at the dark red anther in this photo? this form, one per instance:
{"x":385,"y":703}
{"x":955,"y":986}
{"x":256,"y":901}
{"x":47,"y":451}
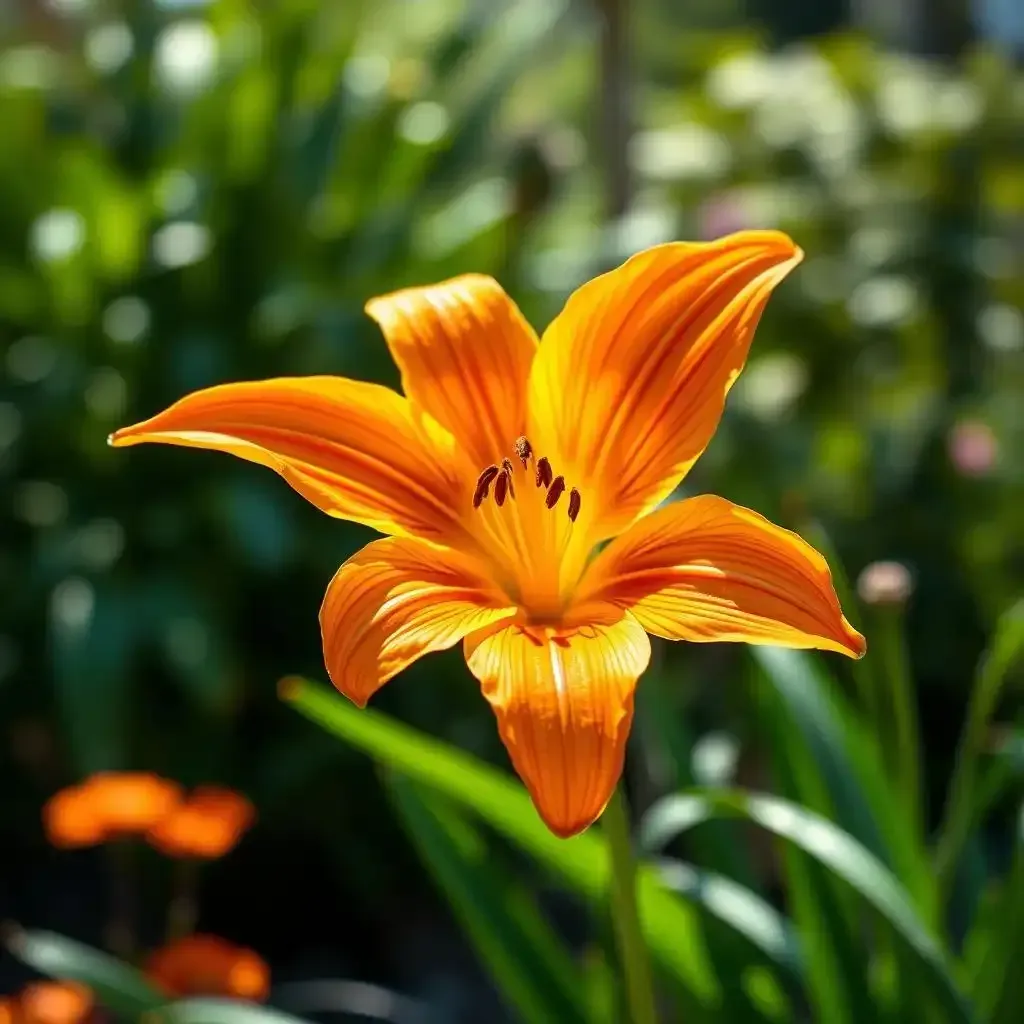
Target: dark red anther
{"x":543,"y":472}
{"x":507,"y":468}
{"x":483,"y":485}
{"x":501,"y":486}
{"x":555,"y":491}
{"x":574,"y":504}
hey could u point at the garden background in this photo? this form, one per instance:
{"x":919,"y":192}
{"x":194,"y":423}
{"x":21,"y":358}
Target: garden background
{"x":194,"y":192}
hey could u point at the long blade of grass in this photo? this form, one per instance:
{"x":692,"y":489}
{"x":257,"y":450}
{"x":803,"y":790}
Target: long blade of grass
{"x":672,"y":927}
{"x":834,"y":850}
{"x":994,"y":945}
{"x":223,"y":1011}
{"x":118,"y":986}
{"x":526,"y":960}
{"x":1006,"y":648}
{"x":847,"y":765}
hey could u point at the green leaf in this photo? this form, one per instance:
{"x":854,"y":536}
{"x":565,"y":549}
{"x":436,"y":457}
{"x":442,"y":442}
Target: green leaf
{"x":853,"y":784}
{"x":826,"y":915}
{"x":834,"y":850}
{"x":1006,"y":648}
{"x":117,"y":986}
{"x":525,"y":958}
{"x":220,"y":1011}
{"x":998,"y":938}
{"x":671,"y":927}
{"x":742,"y":908}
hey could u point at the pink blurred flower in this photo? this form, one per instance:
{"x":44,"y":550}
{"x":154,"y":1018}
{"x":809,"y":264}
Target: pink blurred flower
{"x":972,"y":448}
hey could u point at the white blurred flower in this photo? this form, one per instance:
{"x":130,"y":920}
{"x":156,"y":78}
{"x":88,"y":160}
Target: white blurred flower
{"x":57,"y":234}
{"x":109,"y":47}
{"x":185,"y":56}
{"x":423,"y":123}
{"x":180,"y":243}
{"x":685,"y":151}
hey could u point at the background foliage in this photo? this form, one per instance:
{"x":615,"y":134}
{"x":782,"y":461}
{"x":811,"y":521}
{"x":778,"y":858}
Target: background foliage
{"x":194,"y":193}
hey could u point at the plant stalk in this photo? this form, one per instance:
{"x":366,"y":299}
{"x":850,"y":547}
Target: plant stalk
{"x":636,"y":964}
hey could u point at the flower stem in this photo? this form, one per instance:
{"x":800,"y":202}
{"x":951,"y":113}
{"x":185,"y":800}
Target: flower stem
{"x":636,"y":965}
{"x":183,"y":910}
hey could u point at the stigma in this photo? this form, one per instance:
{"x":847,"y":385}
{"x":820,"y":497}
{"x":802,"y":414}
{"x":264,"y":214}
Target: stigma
{"x":501,"y":477}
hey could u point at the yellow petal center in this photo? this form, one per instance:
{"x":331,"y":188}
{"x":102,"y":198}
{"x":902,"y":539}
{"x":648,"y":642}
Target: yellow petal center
{"x":531,"y":524}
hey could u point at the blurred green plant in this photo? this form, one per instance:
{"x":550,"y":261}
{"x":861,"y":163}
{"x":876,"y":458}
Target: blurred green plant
{"x":889,"y":955}
{"x":202,"y":192}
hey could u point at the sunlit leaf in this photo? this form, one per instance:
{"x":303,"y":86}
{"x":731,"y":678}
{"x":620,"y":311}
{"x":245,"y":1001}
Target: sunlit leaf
{"x":117,"y":986}
{"x":670,"y":925}
{"x":834,"y":850}
{"x":527,"y":961}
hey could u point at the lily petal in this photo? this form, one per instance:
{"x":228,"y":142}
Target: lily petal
{"x":355,"y":450}
{"x":564,"y":704}
{"x":705,"y":569}
{"x":631,"y":377}
{"x":394,"y":601}
{"x":465,"y":353}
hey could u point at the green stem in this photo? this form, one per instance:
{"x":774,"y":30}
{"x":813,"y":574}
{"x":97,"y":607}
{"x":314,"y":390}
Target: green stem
{"x":964,"y":804}
{"x":891,"y":655}
{"x":636,"y":965}
{"x":183,"y":910}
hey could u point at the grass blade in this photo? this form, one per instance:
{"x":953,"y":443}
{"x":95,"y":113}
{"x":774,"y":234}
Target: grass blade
{"x":221,"y":1011}
{"x":836,"y":851}
{"x":118,"y":986}
{"x":527,"y":962}
{"x":671,"y":927}
{"x":1006,"y":648}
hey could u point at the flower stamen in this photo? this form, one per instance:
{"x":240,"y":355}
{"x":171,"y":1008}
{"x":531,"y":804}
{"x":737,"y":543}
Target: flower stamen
{"x":501,"y":487}
{"x":574,"y":504}
{"x":501,"y":476}
{"x":507,"y":470}
{"x":483,"y":485}
{"x":523,"y":449}
{"x":555,"y":491}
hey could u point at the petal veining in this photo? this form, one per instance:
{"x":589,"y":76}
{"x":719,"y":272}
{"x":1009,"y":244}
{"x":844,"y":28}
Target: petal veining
{"x":564,"y":703}
{"x":631,"y":377}
{"x":396,"y":600}
{"x":356,"y":450}
{"x":465,"y":353}
{"x":705,"y":569}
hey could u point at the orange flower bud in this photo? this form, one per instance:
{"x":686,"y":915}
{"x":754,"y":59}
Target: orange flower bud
{"x":70,"y":819}
{"x":132,"y":802}
{"x":55,"y":1002}
{"x":205,"y":965}
{"x":208,"y":824}
{"x":108,"y":805}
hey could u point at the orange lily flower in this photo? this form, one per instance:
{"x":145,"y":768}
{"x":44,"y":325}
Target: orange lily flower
{"x":205,"y":965}
{"x":505,"y":465}
{"x":208,"y":824}
{"x":108,"y":805}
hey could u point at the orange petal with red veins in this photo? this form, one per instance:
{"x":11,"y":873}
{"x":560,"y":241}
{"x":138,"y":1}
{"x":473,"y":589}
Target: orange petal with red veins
{"x":631,"y":377}
{"x":564,"y":705}
{"x":398,"y":599}
{"x":465,"y":353}
{"x":358,"y":451}
{"x":705,"y":569}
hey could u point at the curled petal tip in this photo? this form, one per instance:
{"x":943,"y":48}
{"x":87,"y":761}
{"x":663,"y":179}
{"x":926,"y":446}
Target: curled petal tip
{"x":857,"y":645}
